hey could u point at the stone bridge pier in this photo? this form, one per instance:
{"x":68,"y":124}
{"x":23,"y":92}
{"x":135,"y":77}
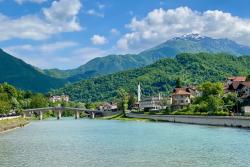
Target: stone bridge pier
{"x":77,"y":114}
{"x":59,"y":114}
{"x":92,"y":114}
{"x":40,"y":115}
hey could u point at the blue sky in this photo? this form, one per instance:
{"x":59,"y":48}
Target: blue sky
{"x":67,"y":33}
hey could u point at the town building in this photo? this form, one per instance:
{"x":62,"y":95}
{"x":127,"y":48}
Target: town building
{"x":244,"y":93}
{"x":236,"y":79}
{"x":155,"y":103}
{"x":61,"y":98}
{"x":241,"y":87}
{"x":180,"y":98}
{"x":108,"y":107}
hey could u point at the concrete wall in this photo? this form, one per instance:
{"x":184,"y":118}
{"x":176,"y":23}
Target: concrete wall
{"x":110,"y":113}
{"x":243,"y":122}
{"x":247,"y":109}
{"x":6,"y":118}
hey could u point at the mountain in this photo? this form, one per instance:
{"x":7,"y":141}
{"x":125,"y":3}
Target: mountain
{"x":24,"y":76}
{"x":191,"y":43}
{"x":160,"y":76}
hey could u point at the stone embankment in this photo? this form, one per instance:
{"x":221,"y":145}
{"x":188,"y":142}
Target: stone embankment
{"x":12,"y":123}
{"x":229,"y":121}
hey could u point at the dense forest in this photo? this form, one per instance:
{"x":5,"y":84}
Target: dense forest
{"x":160,"y":76}
{"x":12,"y":99}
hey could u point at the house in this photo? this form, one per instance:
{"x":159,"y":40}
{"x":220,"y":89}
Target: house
{"x":61,"y":98}
{"x":230,"y":80}
{"x":155,"y":103}
{"x":108,"y":107}
{"x":181,"y":97}
{"x":240,"y":86}
{"x":233,"y":83}
{"x":244,"y":93}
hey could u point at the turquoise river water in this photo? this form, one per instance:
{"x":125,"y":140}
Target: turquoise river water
{"x":94,"y":143}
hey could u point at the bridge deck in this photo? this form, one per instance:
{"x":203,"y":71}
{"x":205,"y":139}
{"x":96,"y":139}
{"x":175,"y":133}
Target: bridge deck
{"x":62,"y":109}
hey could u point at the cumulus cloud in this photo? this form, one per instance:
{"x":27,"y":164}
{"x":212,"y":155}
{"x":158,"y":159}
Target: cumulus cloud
{"x":93,"y":12}
{"x":63,"y":55}
{"x":20,"y":2}
{"x":38,"y":55}
{"x":61,"y":16}
{"x":114,"y":31}
{"x":98,"y":40}
{"x":160,"y":25}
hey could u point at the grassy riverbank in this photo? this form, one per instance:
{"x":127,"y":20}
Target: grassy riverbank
{"x":123,"y":118}
{"x":12,"y":123}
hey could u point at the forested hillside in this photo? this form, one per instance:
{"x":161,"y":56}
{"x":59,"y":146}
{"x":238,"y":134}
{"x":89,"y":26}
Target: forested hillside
{"x":160,"y":76}
{"x":25,"y":76}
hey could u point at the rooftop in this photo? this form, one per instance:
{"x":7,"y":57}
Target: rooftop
{"x":238,"y":78}
{"x":180,"y":91}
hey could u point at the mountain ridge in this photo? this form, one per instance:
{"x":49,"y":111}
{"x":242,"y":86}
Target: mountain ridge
{"x":189,"y":43}
{"x":25,"y":76}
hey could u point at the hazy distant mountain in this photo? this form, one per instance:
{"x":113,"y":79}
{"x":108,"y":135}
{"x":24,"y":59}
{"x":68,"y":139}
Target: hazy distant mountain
{"x":25,"y":76}
{"x":191,"y":43}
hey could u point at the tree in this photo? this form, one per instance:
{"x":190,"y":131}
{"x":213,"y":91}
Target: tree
{"x":214,"y":104}
{"x":123,"y":100}
{"x":38,"y":101}
{"x":230,"y":101}
{"x":131,"y":100}
{"x":209,"y":88}
{"x":5,"y":107}
{"x":211,"y":101}
{"x":248,"y":77}
{"x":178,"y":83}
{"x":10,"y":90}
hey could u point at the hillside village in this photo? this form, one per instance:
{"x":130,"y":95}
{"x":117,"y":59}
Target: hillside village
{"x":182,"y":97}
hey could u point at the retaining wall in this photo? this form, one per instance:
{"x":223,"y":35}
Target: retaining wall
{"x":243,"y":122}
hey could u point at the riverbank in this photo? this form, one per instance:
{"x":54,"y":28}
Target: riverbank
{"x":121,"y":117}
{"x":9,"y":124}
{"x":227,"y":121}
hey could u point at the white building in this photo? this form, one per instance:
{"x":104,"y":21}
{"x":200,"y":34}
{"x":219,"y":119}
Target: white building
{"x":61,"y":98}
{"x":155,"y":103}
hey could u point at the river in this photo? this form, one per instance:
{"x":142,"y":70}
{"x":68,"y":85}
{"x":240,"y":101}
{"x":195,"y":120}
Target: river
{"x":103,"y":143}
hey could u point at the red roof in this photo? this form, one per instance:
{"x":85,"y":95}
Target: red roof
{"x":238,"y":78}
{"x":180,"y":91}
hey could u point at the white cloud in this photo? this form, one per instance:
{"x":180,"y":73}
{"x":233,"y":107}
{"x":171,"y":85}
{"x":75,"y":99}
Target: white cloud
{"x":45,"y":48}
{"x":98,"y":40}
{"x":114,"y":31}
{"x":160,"y":25}
{"x":101,"y":6}
{"x":60,"y":17}
{"x":57,"y":53}
{"x":93,"y":12}
{"x":63,"y":55}
{"x":20,"y":2}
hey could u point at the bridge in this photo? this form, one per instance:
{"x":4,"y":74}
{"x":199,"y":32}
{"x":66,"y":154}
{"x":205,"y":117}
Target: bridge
{"x":59,"y":110}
